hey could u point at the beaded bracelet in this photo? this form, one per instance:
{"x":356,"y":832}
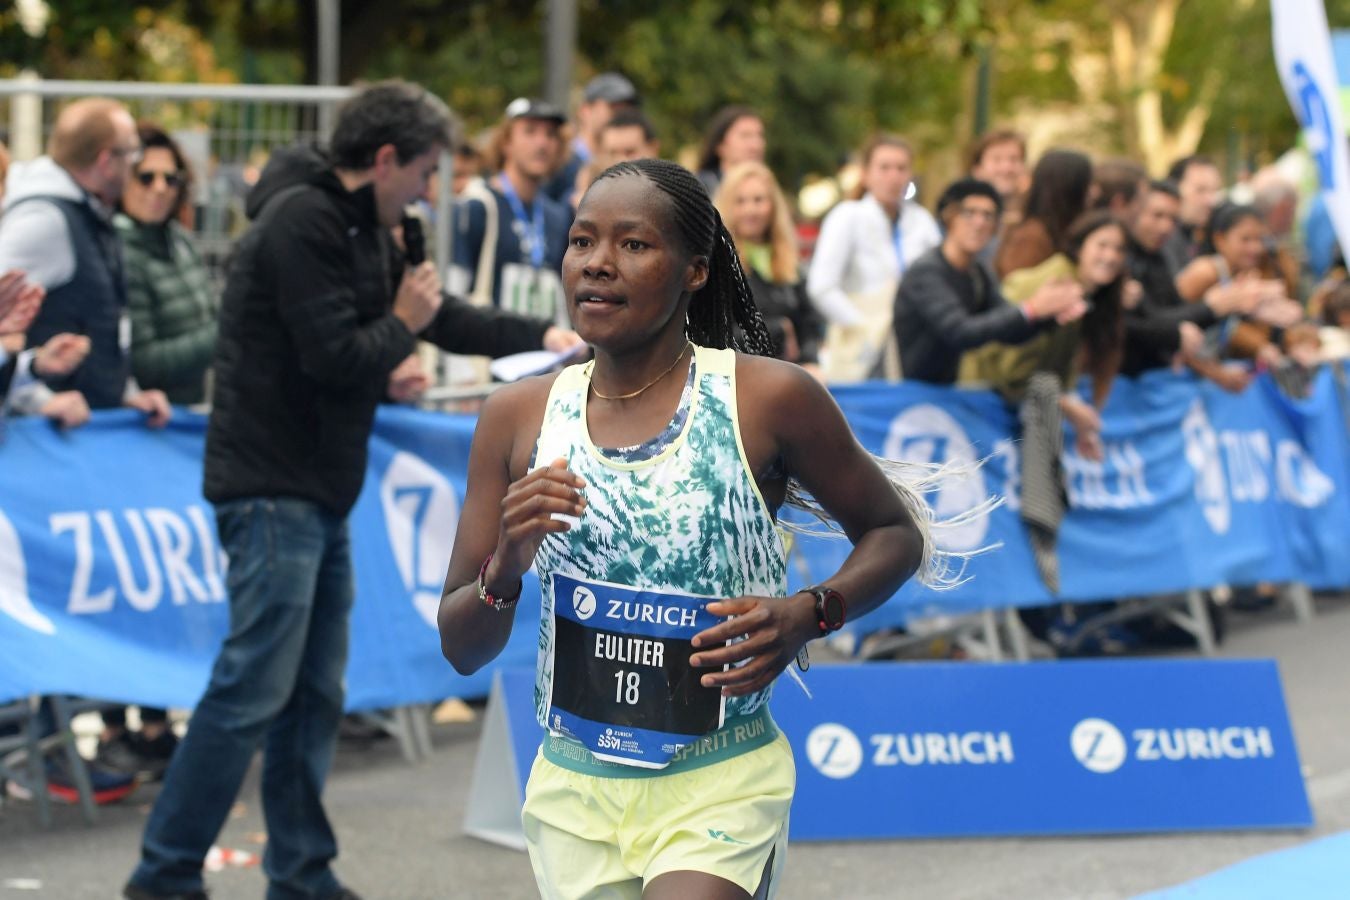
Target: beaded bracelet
{"x":491,"y":602}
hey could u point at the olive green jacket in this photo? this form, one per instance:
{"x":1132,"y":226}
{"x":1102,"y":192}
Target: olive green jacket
{"x":1008,"y":367}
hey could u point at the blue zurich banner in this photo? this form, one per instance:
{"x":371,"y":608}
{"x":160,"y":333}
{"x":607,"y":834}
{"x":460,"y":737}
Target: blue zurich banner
{"x":939,"y":749}
{"x":915,"y":750}
{"x":111,"y":577}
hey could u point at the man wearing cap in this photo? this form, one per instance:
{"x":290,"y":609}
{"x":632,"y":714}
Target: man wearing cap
{"x":510,"y":236}
{"x":948,"y":303}
{"x":604,"y":95}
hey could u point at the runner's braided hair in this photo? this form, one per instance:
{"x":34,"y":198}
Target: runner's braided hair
{"x":722,"y":313}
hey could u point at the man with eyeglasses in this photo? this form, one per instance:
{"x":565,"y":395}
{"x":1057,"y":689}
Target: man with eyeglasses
{"x":57,"y":228}
{"x":948,"y":302}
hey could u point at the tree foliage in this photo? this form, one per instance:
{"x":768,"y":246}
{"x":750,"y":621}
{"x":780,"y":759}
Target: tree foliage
{"x":1102,"y":74}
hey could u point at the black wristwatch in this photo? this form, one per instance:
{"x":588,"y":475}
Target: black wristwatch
{"x":831,"y":611}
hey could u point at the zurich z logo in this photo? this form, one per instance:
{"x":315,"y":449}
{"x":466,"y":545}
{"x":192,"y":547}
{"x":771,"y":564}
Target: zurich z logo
{"x":421,"y":513}
{"x":1098,"y":745}
{"x":583,"y":603}
{"x":1313,"y":113}
{"x":834,"y":750}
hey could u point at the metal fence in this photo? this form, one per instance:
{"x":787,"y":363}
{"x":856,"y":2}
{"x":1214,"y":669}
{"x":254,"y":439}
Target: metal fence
{"x":226,"y":131}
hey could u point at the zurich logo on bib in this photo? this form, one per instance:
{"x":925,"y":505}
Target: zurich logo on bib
{"x":583,"y":602}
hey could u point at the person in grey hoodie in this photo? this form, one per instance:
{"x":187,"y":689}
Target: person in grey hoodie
{"x":57,"y":228}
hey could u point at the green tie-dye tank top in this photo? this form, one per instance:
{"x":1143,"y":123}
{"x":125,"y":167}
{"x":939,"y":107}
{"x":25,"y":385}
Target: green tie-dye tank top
{"x":689,"y":519}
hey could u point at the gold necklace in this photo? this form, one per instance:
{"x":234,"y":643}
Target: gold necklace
{"x":596,"y":390}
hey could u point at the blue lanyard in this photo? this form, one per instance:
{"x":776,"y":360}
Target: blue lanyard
{"x":533,"y":237}
{"x":899,"y":245}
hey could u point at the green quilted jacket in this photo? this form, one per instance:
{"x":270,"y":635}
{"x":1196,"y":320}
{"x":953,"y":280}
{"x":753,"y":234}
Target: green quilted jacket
{"x":173,"y":309}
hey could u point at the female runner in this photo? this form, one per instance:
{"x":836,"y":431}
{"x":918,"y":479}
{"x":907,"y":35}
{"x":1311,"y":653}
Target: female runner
{"x":643,"y":487}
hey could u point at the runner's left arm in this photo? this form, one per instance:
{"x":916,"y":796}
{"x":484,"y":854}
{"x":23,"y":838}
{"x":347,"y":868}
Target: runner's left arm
{"x":819,"y":449}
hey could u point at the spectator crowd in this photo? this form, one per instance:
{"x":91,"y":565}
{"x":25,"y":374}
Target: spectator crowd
{"x":1029,"y":277}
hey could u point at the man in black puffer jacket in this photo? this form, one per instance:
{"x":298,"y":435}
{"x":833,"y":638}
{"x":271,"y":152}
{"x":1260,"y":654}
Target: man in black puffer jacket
{"x":318,"y":310}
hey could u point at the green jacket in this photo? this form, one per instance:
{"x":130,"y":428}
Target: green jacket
{"x":1008,"y":368}
{"x":173,"y":309}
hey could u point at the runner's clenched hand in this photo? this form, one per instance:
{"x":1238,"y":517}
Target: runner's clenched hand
{"x":775,"y":629}
{"x":528,"y":517}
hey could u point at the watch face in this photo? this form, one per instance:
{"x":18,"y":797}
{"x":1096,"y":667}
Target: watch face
{"x":832,"y":609}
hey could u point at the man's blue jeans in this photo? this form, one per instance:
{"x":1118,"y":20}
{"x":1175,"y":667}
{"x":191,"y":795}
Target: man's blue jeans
{"x":278,"y":681}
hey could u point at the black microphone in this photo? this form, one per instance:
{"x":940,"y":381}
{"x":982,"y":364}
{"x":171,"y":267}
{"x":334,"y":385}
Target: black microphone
{"x":414,"y":241}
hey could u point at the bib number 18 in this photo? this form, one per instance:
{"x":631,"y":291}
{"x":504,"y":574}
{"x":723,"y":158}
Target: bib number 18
{"x":626,"y":687}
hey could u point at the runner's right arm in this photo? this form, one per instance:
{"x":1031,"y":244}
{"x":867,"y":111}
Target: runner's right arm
{"x":505,"y":517}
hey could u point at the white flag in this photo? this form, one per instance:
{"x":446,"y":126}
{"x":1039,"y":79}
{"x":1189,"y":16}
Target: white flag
{"x":1308,"y":72}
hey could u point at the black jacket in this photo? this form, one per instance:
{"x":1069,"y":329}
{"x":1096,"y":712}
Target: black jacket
{"x":781,"y":303}
{"x":1151,"y":328}
{"x":308,"y":339}
{"x":941,"y":312}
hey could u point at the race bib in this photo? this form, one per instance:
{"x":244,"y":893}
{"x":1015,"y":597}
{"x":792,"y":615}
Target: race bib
{"x":622,"y":683}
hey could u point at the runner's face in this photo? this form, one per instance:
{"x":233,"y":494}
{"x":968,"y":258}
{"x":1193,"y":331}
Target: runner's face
{"x":626,"y":273}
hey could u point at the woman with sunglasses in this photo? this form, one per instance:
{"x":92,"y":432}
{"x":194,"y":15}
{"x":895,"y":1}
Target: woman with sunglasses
{"x":169,"y":294}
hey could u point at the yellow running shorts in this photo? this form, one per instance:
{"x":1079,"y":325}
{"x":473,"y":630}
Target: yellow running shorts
{"x":595,"y":837}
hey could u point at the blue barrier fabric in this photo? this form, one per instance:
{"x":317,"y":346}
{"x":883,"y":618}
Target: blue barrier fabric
{"x":944,"y":749}
{"x":1198,"y":488}
{"x":111,"y":575}
{"x":887,"y":750}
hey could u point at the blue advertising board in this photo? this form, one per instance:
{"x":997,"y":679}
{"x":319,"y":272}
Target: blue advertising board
{"x":112,"y":579}
{"x":924,"y":750}
{"x":1077,"y":747}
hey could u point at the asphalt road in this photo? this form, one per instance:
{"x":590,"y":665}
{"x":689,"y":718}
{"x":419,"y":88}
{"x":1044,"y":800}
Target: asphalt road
{"x":399,"y":824}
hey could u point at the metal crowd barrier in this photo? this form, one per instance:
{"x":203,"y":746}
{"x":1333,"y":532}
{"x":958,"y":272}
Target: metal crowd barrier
{"x":227,"y":131}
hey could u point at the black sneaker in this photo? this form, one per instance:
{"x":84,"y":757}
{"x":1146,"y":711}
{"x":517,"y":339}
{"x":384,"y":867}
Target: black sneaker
{"x":132,"y":892}
{"x":119,"y":755}
{"x":160,"y":747}
{"x":155,"y":754}
{"x":344,"y":893}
